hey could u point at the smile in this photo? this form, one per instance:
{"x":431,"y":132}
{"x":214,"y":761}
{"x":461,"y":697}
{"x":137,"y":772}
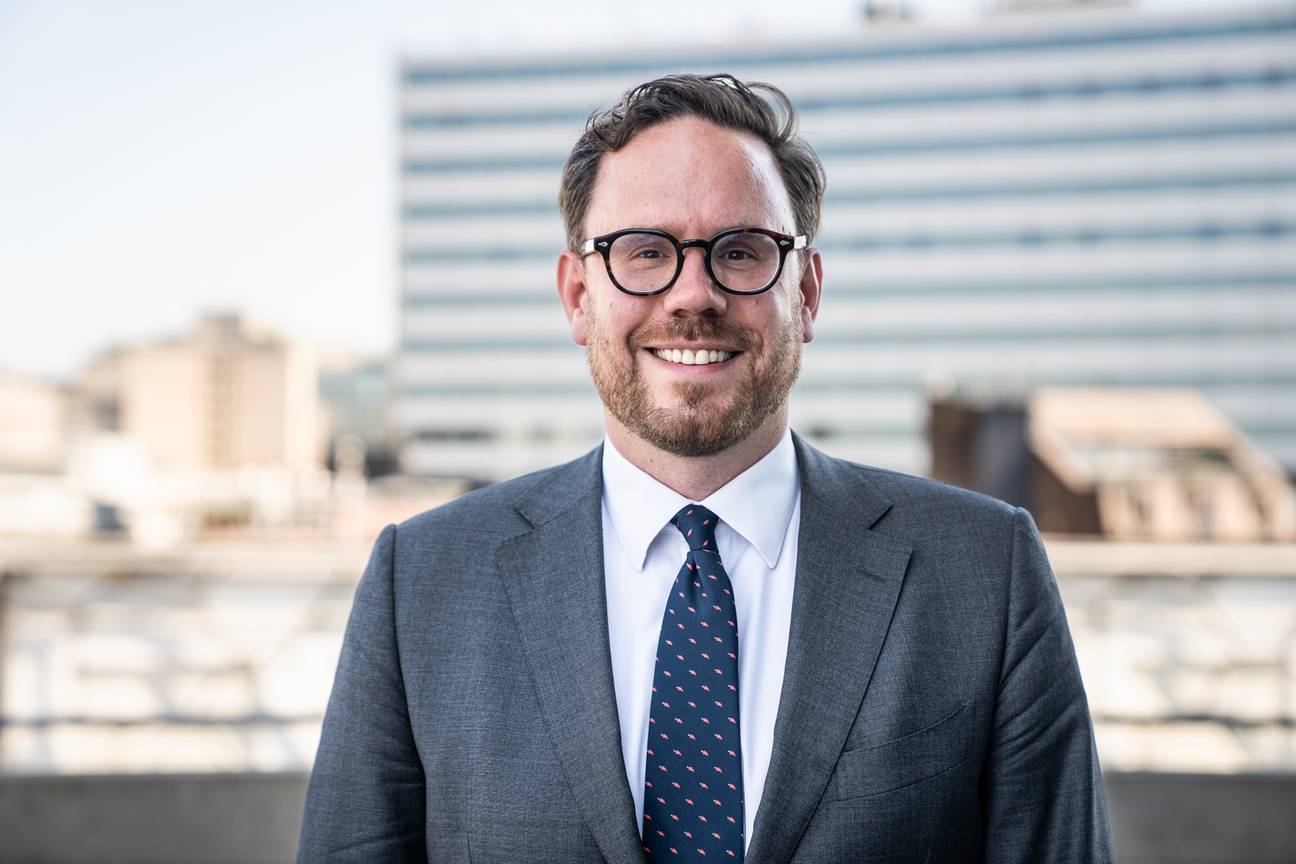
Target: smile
{"x":689,"y":357}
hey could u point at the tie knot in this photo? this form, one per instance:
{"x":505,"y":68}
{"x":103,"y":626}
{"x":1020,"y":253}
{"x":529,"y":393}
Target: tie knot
{"x":698,"y":525}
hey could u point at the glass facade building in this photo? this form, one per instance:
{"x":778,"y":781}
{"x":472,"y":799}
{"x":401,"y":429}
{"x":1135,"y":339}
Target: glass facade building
{"x":1096,"y":198}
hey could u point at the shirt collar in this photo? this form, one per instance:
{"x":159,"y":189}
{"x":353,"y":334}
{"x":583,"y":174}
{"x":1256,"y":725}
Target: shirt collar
{"x":757,"y":504}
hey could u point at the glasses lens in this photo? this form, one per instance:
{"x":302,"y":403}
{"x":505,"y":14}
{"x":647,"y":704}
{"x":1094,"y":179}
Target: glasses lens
{"x":745,"y":261}
{"x":642,"y":262}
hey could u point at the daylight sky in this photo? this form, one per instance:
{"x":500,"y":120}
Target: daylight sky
{"x":162,"y":158}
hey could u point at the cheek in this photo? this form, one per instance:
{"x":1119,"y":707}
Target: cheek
{"x":617,"y":320}
{"x":790,"y":306}
{"x":772,"y":316}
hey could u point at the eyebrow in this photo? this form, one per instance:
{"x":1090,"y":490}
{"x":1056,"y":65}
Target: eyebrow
{"x":679,"y":236}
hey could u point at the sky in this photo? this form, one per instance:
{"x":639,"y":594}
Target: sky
{"x":162,"y":158}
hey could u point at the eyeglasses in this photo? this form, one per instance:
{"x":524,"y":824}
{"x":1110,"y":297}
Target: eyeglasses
{"x":644,"y":261}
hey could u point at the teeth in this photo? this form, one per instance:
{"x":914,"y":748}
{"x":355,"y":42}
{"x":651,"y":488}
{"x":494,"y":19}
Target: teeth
{"x":689,"y":357}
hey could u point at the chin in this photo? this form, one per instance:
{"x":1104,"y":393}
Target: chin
{"x":688,"y":441}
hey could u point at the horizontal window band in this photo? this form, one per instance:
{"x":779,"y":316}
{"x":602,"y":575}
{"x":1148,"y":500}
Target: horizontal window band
{"x":899,"y":386}
{"x":446,"y":435}
{"x":423,"y":436}
{"x":472,"y":298}
{"x":1268,"y":434}
{"x":1206,"y":232}
{"x":873,"y":340}
{"x":544,"y":297}
{"x":1272,"y":23}
{"x":1266,"y":127}
{"x":1008,"y":190}
{"x":1193,"y":81}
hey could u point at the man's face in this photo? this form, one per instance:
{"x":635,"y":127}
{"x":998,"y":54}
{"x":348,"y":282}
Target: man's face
{"x":692,"y":179}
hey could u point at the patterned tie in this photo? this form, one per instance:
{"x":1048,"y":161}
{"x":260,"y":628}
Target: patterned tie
{"x":693,"y":792}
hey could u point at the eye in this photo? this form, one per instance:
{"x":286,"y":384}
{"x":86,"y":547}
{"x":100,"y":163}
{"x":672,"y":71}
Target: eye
{"x":642,"y":252}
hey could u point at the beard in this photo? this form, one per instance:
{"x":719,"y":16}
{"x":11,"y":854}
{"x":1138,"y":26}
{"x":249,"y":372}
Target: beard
{"x":693,"y":424}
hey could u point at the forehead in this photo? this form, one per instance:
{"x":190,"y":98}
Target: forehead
{"x":691,"y":176}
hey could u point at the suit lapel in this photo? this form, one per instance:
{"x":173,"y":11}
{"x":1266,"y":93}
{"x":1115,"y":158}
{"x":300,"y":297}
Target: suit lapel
{"x":554,"y":579}
{"x":847,"y":583}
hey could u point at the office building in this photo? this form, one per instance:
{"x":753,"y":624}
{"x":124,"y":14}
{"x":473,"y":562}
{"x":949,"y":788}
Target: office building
{"x":1095,"y":197}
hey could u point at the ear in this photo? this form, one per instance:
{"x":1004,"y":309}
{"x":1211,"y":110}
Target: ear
{"x":811,"y":290}
{"x":573,"y":293}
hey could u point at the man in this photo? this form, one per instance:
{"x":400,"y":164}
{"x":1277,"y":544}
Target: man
{"x":705,"y":640}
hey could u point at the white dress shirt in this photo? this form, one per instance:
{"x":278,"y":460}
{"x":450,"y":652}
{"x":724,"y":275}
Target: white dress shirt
{"x":759,"y":513}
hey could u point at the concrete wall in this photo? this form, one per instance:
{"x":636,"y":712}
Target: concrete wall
{"x":151,"y":819}
{"x":1203,"y":818}
{"x":254,"y":818}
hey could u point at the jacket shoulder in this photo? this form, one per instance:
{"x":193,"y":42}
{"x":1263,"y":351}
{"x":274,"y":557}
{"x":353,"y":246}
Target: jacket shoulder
{"x":955,"y":530}
{"x":500,"y":508}
{"x":912,"y":491}
{"x":898,"y":493}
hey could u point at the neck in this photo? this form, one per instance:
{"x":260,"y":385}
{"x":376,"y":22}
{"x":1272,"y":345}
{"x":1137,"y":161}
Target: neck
{"x":696,"y":477}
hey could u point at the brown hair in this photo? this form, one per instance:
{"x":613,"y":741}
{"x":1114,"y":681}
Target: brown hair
{"x":719,"y":99}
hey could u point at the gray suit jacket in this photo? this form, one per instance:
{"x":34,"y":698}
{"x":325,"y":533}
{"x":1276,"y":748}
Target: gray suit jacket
{"x":932,"y":709}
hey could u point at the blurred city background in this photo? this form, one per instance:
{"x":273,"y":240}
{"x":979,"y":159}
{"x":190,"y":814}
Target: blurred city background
{"x":274,"y":279}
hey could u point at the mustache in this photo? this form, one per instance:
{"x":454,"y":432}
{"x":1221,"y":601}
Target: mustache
{"x":695,"y":330}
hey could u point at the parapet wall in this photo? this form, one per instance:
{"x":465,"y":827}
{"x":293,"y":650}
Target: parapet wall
{"x":254,"y":818}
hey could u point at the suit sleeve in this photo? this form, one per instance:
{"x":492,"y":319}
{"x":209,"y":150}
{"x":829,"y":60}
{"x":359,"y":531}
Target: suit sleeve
{"x":365,"y":799}
{"x":1042,"y":784}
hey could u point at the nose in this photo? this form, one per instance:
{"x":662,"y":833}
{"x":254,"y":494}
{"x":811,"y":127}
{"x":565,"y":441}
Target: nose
{"x":694,"y":293}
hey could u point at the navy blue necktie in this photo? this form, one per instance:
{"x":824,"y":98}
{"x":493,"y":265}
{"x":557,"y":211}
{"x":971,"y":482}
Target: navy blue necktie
{"x":693,"y":792}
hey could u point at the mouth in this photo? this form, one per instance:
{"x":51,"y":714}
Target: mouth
{"x":692,"y":356}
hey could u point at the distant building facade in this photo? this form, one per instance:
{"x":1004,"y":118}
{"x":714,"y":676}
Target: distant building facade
{"x":220,"y":398}
{"x":1104,"y":198}
{"x":33,"y":424}
{"x":353,"y":393}
{"x":1124,"y":464}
